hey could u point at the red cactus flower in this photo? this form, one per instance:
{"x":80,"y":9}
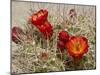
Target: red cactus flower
{"x":46,"y":29}
{"x":15,"y":34}
{"x":72,"y":13}
{"x":61,"y":46}
{"x":63,"y":36}
{"x":39,"y":17}
{"x":77,"y":47}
